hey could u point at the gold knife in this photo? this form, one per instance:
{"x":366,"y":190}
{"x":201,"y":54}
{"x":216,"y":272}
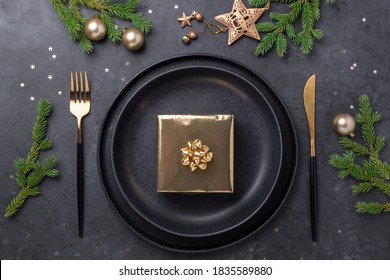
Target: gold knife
{"x":309,"y":99}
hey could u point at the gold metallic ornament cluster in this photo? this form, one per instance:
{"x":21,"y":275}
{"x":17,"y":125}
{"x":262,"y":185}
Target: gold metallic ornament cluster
{"x":196,"y":155}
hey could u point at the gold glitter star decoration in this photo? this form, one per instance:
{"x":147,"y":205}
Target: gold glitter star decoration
{"x":185,"y":20}
{"x":241,"y":21}
{"x":196,"y":155}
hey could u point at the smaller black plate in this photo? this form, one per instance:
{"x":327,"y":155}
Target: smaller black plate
{"x":265,"y":153}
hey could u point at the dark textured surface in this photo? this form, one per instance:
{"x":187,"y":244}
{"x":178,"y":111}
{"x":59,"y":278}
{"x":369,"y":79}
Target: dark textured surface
{"x":46,"y":228}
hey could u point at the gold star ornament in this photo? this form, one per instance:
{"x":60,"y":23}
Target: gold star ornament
{"x":185,"y":20}
{"x":241,"y":21}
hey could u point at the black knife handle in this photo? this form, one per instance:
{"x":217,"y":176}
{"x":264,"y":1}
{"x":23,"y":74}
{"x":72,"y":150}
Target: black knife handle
{"x":313,"y":197}
{"x":80,"y":189}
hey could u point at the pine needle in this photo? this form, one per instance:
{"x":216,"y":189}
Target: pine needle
{"x":373,"y":173}
{"x":30,"y":171}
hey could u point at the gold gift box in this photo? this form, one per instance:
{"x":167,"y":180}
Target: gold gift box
{"x":174,"y":133}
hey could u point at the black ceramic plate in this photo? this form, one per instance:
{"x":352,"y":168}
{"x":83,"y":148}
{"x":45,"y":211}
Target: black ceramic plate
{"x":265,"y":153}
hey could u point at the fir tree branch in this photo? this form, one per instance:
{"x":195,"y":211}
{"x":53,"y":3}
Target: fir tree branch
{"x":30,"y":172}
{"x":308,"y":11}
{"x":74,"y":22}
{"x":372,"y":172}
{"x":372,"y":207}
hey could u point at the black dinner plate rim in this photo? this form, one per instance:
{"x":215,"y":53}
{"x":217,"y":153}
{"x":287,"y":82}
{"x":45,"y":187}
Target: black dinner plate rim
{"x":201,"y":56}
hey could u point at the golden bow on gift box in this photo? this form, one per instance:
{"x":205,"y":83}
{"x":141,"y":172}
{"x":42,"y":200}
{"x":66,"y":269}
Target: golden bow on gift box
{"x":196,"y":155}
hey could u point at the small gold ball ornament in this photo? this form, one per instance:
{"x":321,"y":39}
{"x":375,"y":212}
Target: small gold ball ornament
{"x":95,"y":29}
{"x":192,"y":35}
{"x":198,"y":16}
{"x":186,"y":39}
{"x":344,"y":124}
{"x":132,"y":39}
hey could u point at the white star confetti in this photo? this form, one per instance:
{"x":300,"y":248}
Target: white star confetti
{"x":375,"y":71}
{"x":354,"y":65}
{"x":364,"y":19}
{"x":28,"y":235}
{"x":77,"y":254}
{"x":56,"y":253}
{"x":150,"y":11}
{"x":344,"y":51}
{"x":176,"y":7}
{"x":123,"y":79}
{"x":339,"y":231}
{"x":352,"y":107}
{"x":11,"y":176}
{"x":50,"y":49}
{"x":54,"y":56}
{"x":107,"y":70}
{"x":60,"y":92}
{"x":276,"y":229}
{"x":50,"y":77}
{"x":63,"y":225}
{"x":21,"y":84}
{"x":127,"y":63}
{"x":32,"y":98}
{"x":251,"y":250}
{"x":32,"y":66}
{"x":352,"y":68}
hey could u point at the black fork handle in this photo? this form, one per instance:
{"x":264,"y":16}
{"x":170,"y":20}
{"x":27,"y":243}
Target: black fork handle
{"x":80,"y":189}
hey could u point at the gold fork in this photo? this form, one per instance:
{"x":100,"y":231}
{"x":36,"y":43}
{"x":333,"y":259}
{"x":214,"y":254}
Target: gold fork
{"x":80,"y":105}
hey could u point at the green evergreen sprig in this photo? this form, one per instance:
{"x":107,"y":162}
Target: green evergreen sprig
{"x":282,"y":26}
{"x":69,"y":12}
{"x":373,"y":173}
{"x":30,"y":171}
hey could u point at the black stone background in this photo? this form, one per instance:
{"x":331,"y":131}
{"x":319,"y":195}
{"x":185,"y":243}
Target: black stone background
{"x":46,"y":228}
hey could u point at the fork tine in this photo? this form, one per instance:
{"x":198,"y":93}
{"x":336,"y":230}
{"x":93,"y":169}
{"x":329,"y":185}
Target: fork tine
{"x":77,"y":88}
{"x":72,"y":95}
{"x":82,"y":96}
{"x":87,"y":92}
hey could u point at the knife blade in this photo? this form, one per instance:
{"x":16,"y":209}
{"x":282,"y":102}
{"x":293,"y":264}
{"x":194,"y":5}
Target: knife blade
{"x":309,"y":99}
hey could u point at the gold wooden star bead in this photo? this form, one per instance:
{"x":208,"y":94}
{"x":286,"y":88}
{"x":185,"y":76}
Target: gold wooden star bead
{"x":185,"y":20}
{"x":241,"y":21}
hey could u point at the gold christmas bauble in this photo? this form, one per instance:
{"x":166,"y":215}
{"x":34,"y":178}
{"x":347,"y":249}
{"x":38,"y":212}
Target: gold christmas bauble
{"x":185,"y":39}
{"x":344,"y":124}
{"x":192,"y":35}
{"x":133,"y":39}
{"x":95,"y":29}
